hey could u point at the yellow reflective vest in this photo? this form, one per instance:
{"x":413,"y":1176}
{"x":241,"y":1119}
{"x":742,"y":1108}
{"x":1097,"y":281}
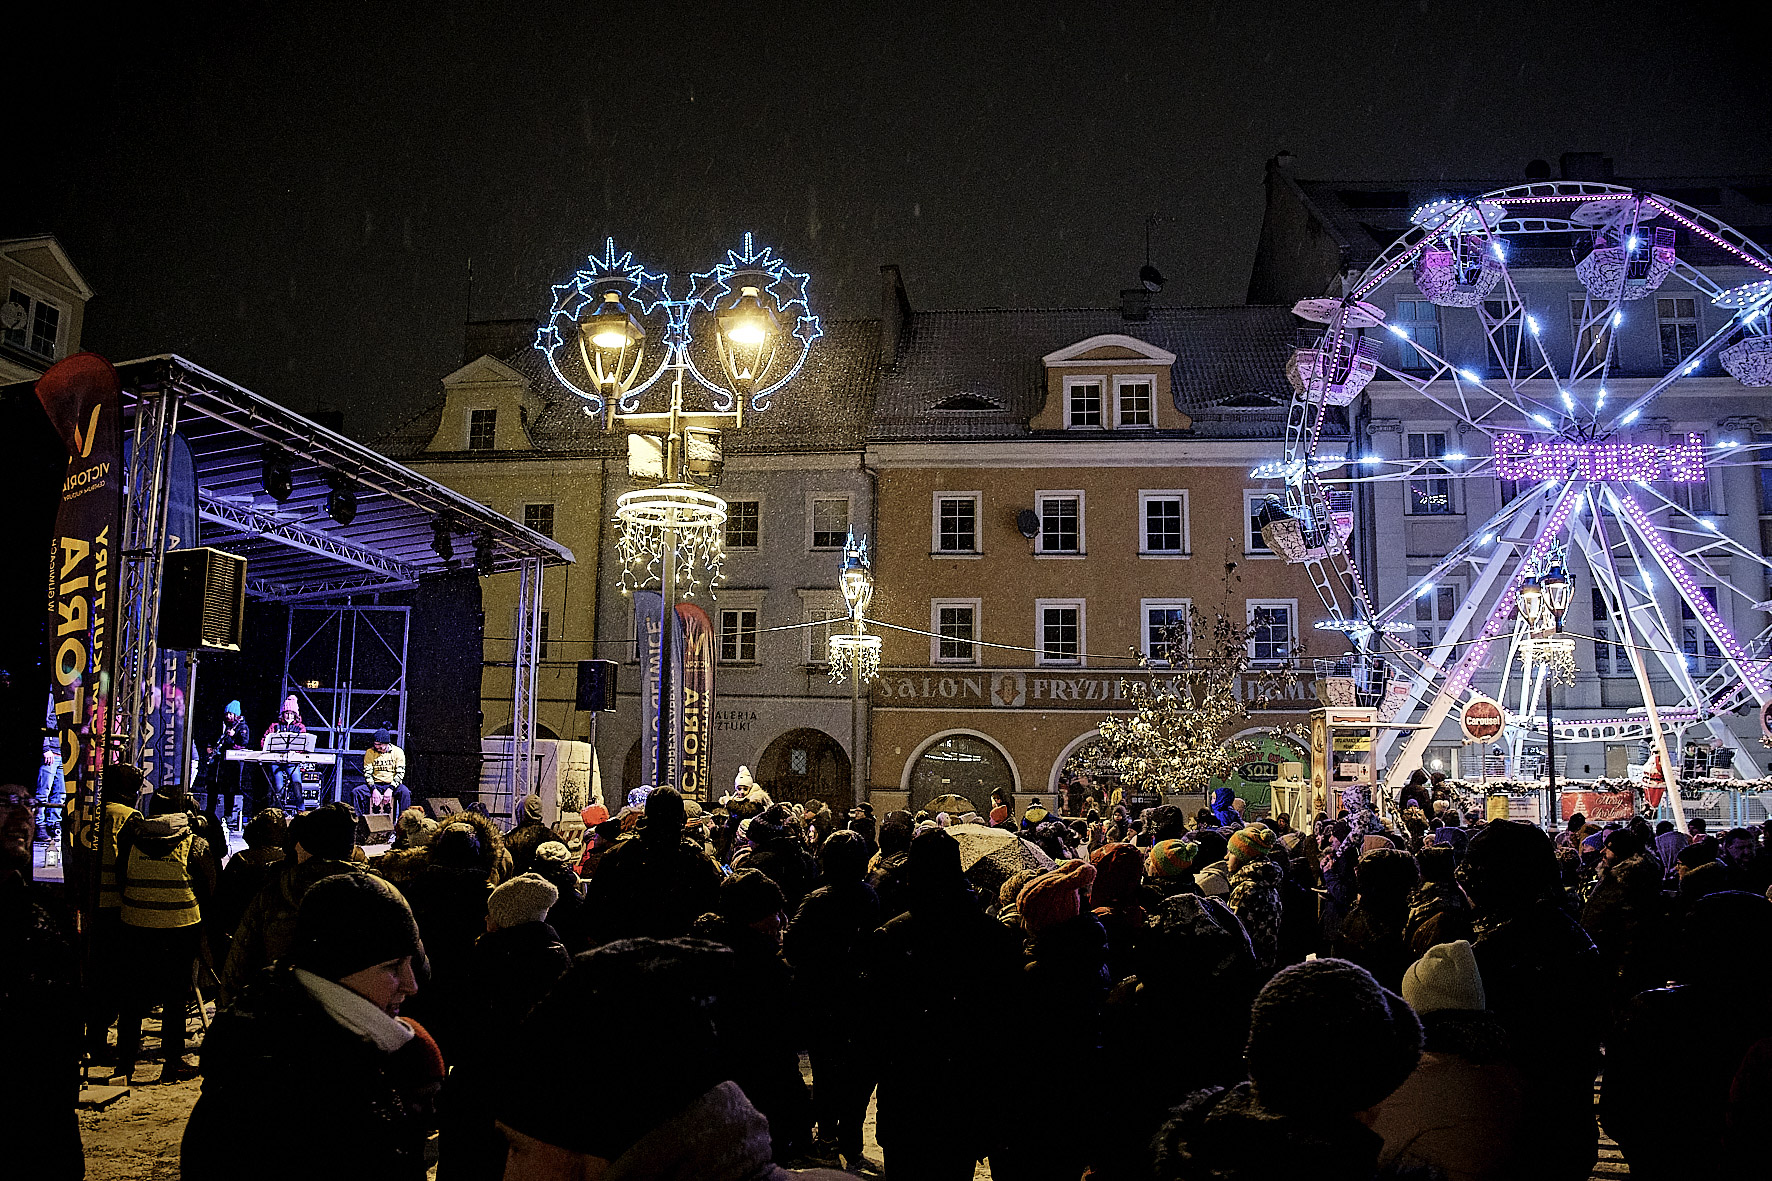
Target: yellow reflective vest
{"x":157,"y":891}
{"x":110,"y":885}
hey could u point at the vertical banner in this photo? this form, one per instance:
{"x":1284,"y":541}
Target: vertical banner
{"x":694,"y":706}
{"x":164,"y":721}
{"x":647,"y":626}
{"x":82,"y":398}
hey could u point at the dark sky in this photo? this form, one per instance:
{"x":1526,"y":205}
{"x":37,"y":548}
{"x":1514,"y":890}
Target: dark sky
{"x":289,"y":193}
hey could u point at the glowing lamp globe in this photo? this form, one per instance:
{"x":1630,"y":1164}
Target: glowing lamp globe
{"x":611,"y":342}
{"x":1558,"y":591}
{"x":749,"y":330}
{"x":1530,"y":603}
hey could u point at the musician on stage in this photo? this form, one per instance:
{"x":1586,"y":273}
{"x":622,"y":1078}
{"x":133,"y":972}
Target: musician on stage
{"x":384,"y":778}
{"x":229,"y":778}
{"x":286,"y":778}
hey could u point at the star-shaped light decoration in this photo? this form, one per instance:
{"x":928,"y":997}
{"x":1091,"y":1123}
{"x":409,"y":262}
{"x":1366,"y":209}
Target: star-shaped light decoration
{"x":607,"y":273}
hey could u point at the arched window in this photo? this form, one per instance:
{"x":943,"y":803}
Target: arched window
{"x":961,"y":764}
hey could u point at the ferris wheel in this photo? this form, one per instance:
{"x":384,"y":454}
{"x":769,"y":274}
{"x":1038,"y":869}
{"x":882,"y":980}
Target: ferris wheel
{"x":1561,"y":425}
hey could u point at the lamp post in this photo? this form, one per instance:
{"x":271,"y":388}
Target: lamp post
{"x":856,"y":652}
{"x":739,"y":336}
{"x":1541,"y":603}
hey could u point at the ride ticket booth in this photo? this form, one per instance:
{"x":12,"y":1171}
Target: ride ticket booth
{"x":1344,"y":754}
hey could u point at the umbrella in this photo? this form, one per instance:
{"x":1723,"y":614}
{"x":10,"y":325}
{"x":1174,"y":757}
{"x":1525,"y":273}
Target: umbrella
{"x":991,"y":856}
{"x":952,"y":804}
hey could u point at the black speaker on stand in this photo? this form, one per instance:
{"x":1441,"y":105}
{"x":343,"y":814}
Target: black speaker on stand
{"x":596,"y":685}
{"x":202,"y":609}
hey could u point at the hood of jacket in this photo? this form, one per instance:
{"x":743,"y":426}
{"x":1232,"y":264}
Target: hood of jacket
{"x":160,"y":835}
{"x":719,"y":1137}
{"x":1261,"y":874}
{"x":1230,"y":1135}
{"x":1475,"y":1035}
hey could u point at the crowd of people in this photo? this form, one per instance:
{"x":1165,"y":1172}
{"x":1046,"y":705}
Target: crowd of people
{"x":1162,"y":996}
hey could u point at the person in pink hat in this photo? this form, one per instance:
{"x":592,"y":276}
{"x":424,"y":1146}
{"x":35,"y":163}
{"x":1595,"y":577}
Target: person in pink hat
{"x":286,"y":782}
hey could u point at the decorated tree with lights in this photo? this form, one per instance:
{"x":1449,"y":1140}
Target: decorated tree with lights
{"x":1199,"y":683}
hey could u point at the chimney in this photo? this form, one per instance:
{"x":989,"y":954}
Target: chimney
{"x":895,"y":312}
{"x":1585,"y":166}
{"x":1135,"y":303}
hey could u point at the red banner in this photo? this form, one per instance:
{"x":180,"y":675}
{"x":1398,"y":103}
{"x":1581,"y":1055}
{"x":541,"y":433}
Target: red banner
{"x":1600,"y":805}
{"x":82,"y":397}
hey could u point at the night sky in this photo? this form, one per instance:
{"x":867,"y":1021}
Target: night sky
{"x":289,"y":194}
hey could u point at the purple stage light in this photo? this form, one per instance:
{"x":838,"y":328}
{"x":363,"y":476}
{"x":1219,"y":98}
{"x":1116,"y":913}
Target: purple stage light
{"x":1518,"y":459}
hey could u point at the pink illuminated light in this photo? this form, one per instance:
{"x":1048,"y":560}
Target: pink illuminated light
{"x":1518,"y":459}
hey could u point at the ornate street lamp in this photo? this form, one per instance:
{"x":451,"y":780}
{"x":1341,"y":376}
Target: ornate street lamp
{"x":1541,"y":603}
{"x":855,"y":654}
{"x":750,"y":312}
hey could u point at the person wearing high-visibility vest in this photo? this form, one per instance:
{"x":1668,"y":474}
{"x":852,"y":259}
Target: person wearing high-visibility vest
{"x":165,"y":881}
{"x":120,"y":788}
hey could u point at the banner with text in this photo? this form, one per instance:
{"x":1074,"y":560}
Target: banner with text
{"x":649,"y":627}
{"x":1043,"y":689}
{"x":693,"y":709}
{"x":82,"y":397}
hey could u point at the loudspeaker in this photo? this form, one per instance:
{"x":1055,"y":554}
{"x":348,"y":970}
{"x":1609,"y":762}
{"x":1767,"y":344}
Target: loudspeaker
{"x":596,"y":684}
{"x":202,"y":600}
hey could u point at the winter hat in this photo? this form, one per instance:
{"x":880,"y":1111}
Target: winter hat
{"x":328,"y":831}
{"x":775,"y":824}
{"x":1055,"y":897}
{"x":267,"y":829}
{"x":531,"y":809}
{"x":1374,"y":842}
{"x":999,"y":814}
{"x":457,"y":846}
{"x":594,"y":815}
{"x":1508,"y":867}
{"x":742,"y":782}
{"x":657,"y":1002}
{"x":290,"y":706}
{"x":1329,"y":1002}
{"x":1118,"y":870}
{"x":664,"y":816}
{"x":1445,"y":978}
{"x":1011,"y":889}
{"x":526,"y":898}
{"x":843,"y":857}
{"x":553,"y":853}
{"x":1165,"y":821}
{"x":1251,"y":843}
{"x":1034,"y":814}
{"x":122,"y":783}
{"x":382,"y":735}
{"x":749,"y":896}
{"x":1170,"y":859}
{"x":418,"y":829}
{"x":233,"y":707}
{"x":351,"y":921}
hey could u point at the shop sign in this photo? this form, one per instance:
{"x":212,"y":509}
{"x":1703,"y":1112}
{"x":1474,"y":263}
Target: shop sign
{"x":1035,"y":689}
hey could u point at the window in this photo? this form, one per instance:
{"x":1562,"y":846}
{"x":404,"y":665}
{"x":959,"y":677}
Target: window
{"x":955,"y":624}
{"x":1677,"y":318}
{"x":828,"y":609}
{"x":828,"y":519}
{"x":1416,"y":320}
{"x":1431,"y":495}
{"x":1270,"y":634}
{"x":1504,"y":339}
{"x":541,"y":644}
{"x":1061,"y":522}
{"x":39,"y":329}
{"x":1590,"y":327}
{"x":539,"y":517}
{"x":956,"y":523}
{"x":742,"y":524}
{"x":1433,"y":611}
{"x":1166,"y":627}
{"x":1082,"y":404}
{"x":482,"y":430}
{"x":1165,"y":523}
{"x":1695,"y":641}
{"x":1610,"y":659}
{"x":1134,"y":402}
{"x":1059,"y":628}
{"x":738,"y":636}
{"x":1254,"y":504}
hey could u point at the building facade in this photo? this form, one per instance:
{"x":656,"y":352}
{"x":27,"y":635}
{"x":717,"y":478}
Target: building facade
{"x":42,"y":307}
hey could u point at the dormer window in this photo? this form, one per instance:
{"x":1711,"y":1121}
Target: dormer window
{"x":482,"y":430}
{"x":1083,"y":410}
{"x":1132,"y":402}
{"x":31,"y":324}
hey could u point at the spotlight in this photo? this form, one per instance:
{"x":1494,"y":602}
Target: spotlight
{"x":341,"y":501}
{"x":279,"y":473}
{"x":483,"y":552}
{"x":1151,"y":277}
{"x":442,"y":538}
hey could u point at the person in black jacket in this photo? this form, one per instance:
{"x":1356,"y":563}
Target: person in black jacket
{"x":778,"y":848}
{"x":448,"y":898}
{"x":825,"y":944}
{"x":658,"y":885}
{"x":324,"y":1025}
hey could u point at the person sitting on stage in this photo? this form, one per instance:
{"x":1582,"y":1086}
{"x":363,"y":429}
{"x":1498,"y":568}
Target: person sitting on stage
{"x":229,"y":779}
{"x":384,"y":778}
{"x":286,"y":779}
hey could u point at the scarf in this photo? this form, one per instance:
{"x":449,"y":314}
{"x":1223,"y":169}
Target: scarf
{"x":357,"y":1014}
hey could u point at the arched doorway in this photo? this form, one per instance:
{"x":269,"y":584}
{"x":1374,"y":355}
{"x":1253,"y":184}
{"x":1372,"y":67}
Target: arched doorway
{"x":806,"y":764}
{"x":1084,"y":776}
{"x":970,"y":765}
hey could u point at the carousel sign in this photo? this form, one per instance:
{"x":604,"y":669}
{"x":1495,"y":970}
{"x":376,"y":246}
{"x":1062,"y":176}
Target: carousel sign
{"x":1481,"y":719}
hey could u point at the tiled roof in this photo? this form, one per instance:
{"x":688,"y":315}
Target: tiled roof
{"x":824,"y":408}
{"x":994,"y":355}
{"x":1364,"y":217}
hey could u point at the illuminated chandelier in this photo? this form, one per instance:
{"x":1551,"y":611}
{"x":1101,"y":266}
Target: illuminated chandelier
{"x":855,"y":655}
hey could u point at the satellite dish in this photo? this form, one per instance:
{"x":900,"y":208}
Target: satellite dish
{"x":1028,"y":522}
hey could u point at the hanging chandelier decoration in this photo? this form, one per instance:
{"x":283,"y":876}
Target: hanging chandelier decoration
{"x":660,"y":524}
{"x":855,"y":653}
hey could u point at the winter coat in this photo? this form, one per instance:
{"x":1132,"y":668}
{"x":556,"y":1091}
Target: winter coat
{"x":40,"y":1011}
{"x":401,"y":866}
{"x":1255,"y":900}
{"x":826,"y":944}
{"x":1126,"y":925}
{"x":449,"y":906}
{"x":653,"y":889}
{"x":1666,"y":1094}
{"x":1438,"y":913}
{"x":1525,"y":956}
{"x":522,"y":841}
{"x":267,"y":928}
{"x":719,"y":1137}
{"x":244,"y":876}
{"x":889,"y":880}
{"x":1066,"y":972}
{"x":567,"y":916}
{"x":1221,"y":1135}
{"x":1222,"y":809}
{"x":275,"y":1039}
{"x":787,"y":863}
{"x":1461,"y":1109}
{"x":1374,"y":939}
{"x":1624,"y":917}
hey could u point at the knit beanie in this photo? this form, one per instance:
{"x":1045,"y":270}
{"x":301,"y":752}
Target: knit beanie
{"x":553,"y":853}
{"x":664,"y":816}
{"x":1118,"y":871}
{"x":122,"y":783}
{"x":1372,"y":842}
{"x":1055,"y":897}
{"x":1011,"y":889}
{"x":328,"y":831}
{"x":1252,"y":842}
{"x":266,"y":830}
{"x":749,"y":896}
{"x":655,"y":1003}
{"x":999,"y":814}
{"x":1445,"y":978}
{"x":382,"y":735}
{"x":531,"y":813}
{"x":593,"y":815}
{"x":233,"y":707}
{"x":418,"y":829}
{"x":1034,"y":814}
{"x":526,"y":898}
{"x":351,"y":921}
{"x":1336,"y":1003}
{"x":1170,"y":859}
